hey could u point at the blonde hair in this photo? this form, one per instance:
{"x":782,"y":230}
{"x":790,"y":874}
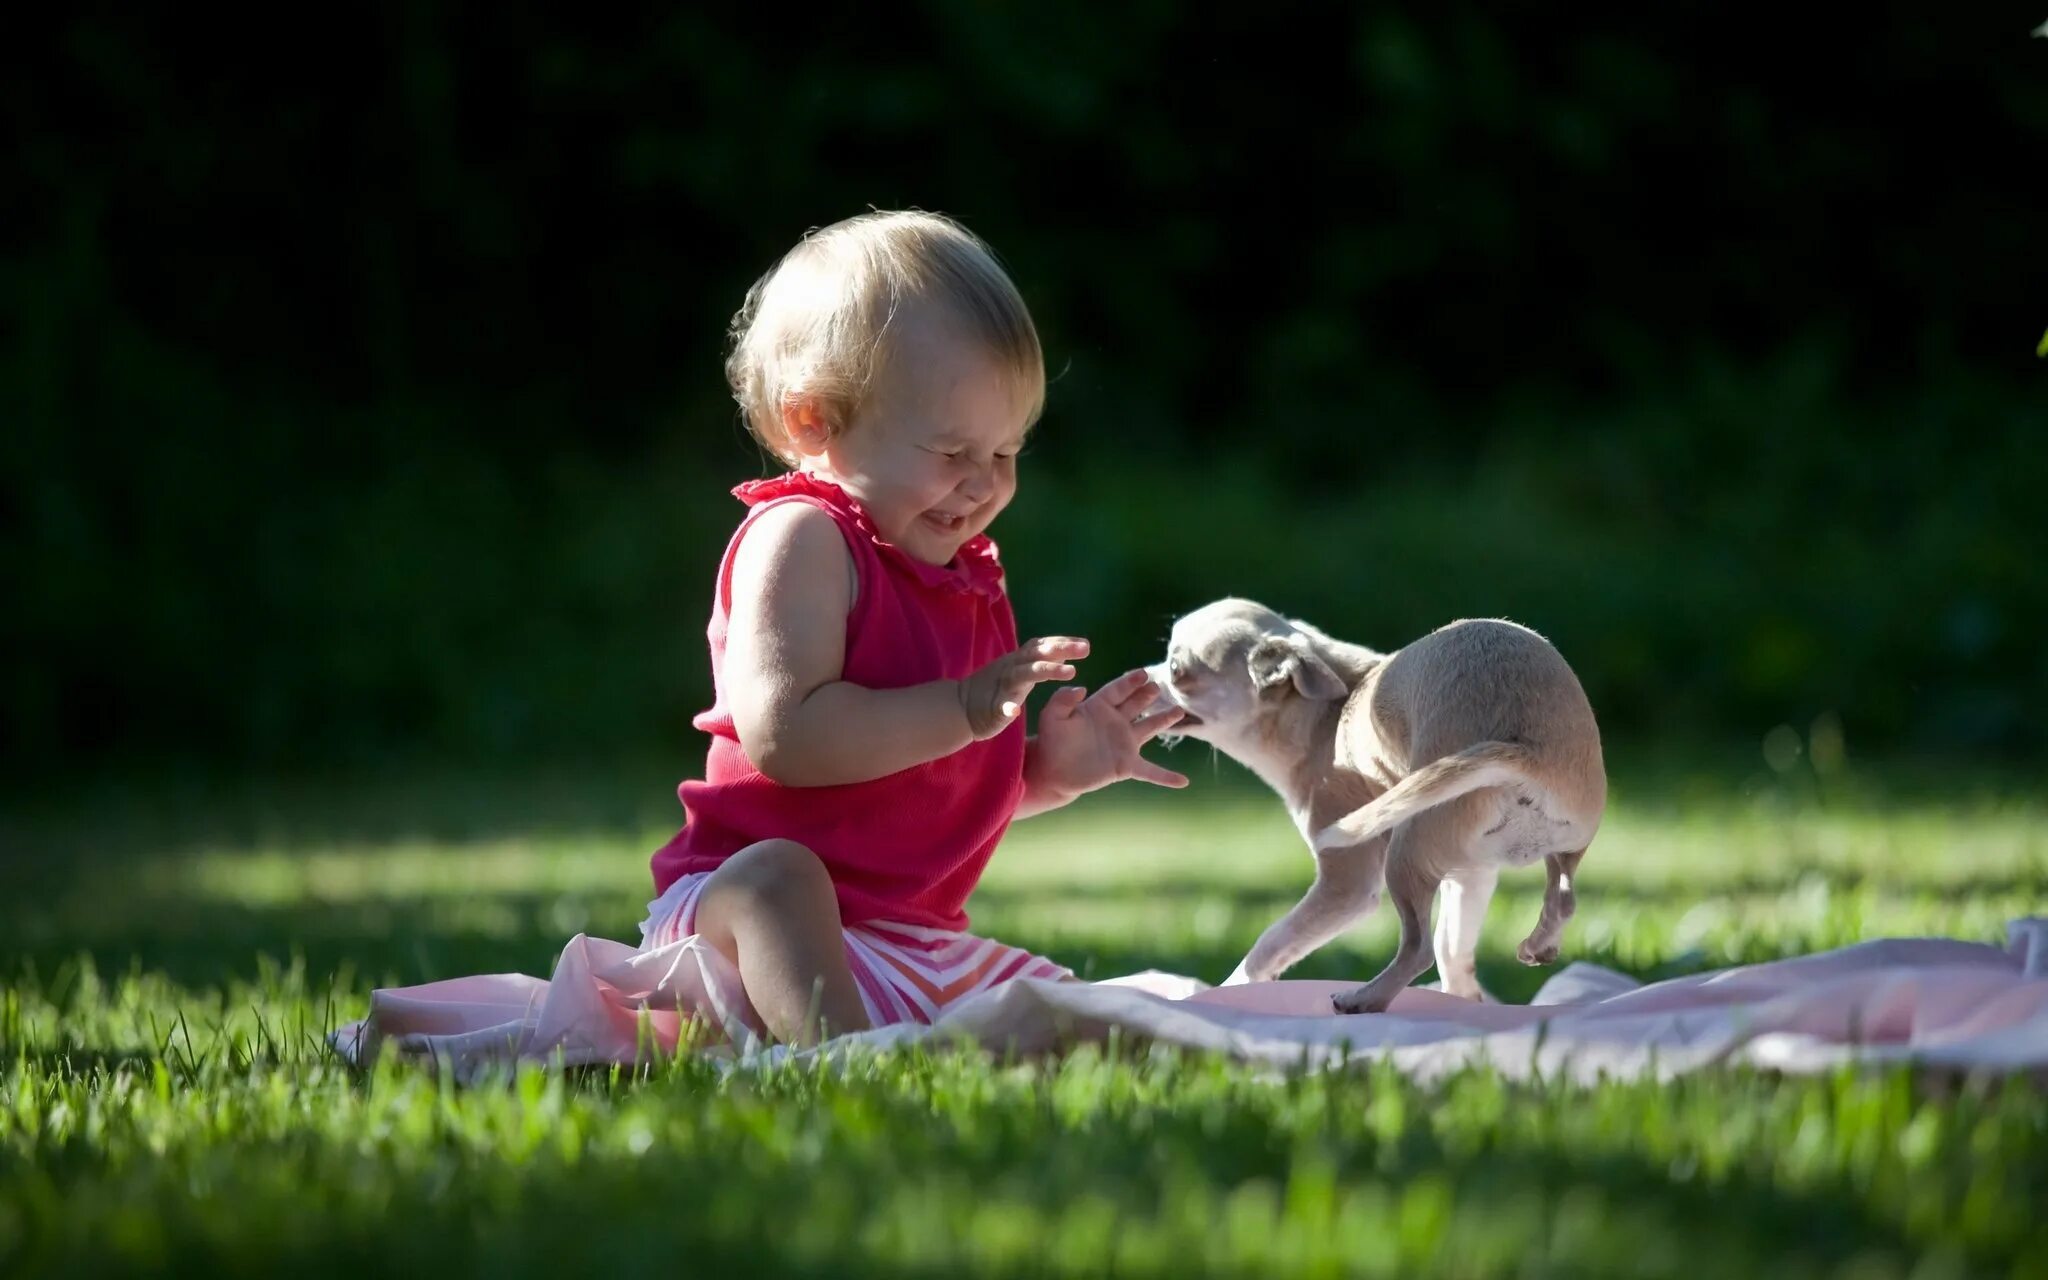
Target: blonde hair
{"x":818,"y":324}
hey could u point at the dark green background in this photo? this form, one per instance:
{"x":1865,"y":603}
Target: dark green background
{"x":362,"y":382}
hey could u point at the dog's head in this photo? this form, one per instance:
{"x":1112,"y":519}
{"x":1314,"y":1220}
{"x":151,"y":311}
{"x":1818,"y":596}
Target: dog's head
{"x":1236,"y":668}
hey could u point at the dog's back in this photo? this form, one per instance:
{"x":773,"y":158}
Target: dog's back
{"x":1487,"y":715}
{"x":1484,"y":680}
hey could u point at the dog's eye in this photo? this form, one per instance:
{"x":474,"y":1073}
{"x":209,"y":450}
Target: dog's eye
{"x":1177,"y":668}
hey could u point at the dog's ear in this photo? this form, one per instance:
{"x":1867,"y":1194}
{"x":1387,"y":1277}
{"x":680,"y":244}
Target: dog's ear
{"x":1276,"y":659}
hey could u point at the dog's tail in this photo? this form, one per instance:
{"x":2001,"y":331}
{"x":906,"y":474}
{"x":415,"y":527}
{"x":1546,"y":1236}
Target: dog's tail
{"x":1484,"y":764}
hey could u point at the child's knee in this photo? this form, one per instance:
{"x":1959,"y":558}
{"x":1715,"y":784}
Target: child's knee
{"x":771,"y":877}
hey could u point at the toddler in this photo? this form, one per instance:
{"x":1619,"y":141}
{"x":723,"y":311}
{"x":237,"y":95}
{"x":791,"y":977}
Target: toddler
{"x":867,"y":738}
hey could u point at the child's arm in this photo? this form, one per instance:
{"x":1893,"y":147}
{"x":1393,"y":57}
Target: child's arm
{"x":785,"y":649}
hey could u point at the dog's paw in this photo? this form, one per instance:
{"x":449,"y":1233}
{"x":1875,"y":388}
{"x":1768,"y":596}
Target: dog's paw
{"x":1362,"y":1000}
{"x":1529,"y":955}
{"x":1464,"y":984}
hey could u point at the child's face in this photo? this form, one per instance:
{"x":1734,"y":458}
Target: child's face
{"x":932,"y":454}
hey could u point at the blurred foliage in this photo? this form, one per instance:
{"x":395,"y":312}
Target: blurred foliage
{"x":368,"y":400}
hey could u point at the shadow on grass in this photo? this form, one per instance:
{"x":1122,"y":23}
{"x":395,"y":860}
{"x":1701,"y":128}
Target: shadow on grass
{"x":202,"y":944}
{"x":168,"y":813}
{"x":173,"y":808}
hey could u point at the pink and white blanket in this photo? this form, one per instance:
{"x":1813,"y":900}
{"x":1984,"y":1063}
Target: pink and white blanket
{"x":1936,"y":1002}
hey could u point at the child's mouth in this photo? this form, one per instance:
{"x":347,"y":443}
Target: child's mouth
{"x":945,"y":523}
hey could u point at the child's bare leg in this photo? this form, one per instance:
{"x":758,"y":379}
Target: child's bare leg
{"x":771,"y":910}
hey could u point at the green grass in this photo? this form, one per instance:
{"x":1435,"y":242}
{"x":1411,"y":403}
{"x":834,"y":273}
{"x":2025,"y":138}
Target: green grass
{"x":172,"y":951}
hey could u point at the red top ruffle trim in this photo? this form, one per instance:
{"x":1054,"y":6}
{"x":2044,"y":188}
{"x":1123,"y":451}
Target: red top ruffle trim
{"x":975,"y":566}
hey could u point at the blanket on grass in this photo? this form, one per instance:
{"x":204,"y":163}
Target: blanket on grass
{"x":1942,"y":1003}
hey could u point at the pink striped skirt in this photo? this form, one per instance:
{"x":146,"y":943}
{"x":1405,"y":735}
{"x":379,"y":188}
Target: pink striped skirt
{"x":905,"y":972}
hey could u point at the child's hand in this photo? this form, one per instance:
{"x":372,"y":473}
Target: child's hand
{"x":994,"y":695}
{"x":1085,"y":745}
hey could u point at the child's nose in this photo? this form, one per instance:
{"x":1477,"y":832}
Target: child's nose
{"x":980,"y":484}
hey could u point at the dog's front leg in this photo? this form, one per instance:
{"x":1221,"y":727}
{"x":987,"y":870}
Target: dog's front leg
{"x":1412,"y":885}
{"x":1347,"y":886}
{"x":1559,"y":902}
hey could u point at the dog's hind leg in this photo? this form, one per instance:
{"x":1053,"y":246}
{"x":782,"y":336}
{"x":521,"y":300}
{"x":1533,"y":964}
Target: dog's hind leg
{"x":1560,"y":900}
{"x":1412,"y":880}
{"x":1460,"y":911}
{"x":1347,"y":886}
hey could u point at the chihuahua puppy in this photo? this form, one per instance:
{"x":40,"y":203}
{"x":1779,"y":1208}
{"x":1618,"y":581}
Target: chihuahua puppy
{"x":1426,"y":771}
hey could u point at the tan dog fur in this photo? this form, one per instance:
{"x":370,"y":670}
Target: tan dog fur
{"x":1427,"y":770}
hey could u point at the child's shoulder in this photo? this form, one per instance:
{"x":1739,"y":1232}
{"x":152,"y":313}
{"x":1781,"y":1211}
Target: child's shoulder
{"x":793,"y":547}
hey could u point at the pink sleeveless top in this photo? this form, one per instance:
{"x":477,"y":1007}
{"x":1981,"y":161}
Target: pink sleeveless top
{"x":908,"y":847}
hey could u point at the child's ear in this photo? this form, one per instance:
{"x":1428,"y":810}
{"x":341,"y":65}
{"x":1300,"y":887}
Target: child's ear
{"x":805,"y":425}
